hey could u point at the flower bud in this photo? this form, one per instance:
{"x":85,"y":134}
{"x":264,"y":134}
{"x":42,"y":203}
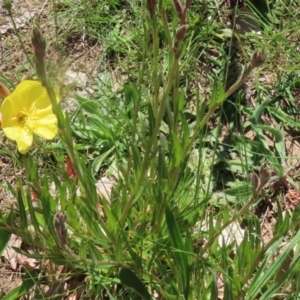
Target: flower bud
{"x":59,"y":223}
{"x":38,"y":43}
{"x":4,"y":91}
{"x":254,"y":181}
{"x":258,"y":58}
{"x":178,"y":7}
{"x":180,"y":34}
{"x":264,"y":173}
{"x":187,"y":4}
{"x":151,"y":6}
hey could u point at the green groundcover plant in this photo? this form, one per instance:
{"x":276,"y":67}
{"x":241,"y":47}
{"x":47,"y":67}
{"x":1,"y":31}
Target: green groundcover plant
{"x":159,"y":233}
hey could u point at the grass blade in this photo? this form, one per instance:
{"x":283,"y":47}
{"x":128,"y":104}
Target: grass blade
{"x":180,"y":254}
{"x":129,"y":279}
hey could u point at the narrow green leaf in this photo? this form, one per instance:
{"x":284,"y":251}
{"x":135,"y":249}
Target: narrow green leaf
{"x":272,"y":290}
{"x":259,"y":282}
{"x":21,"y":206}
{"x":132,"y":281}
{"x":97,"y":163}
{"x":214,"y":287}
{"x":162,"y":164}
{"x":218,"y":94}
{"x":177,"y":149}
{"x":286,"y":119}
{"x":4,"y":238}
{"x":277,"y":133}
{"x":180,"y":254}
{"x":33,"y":218}
{"x":89,"y":106}
{"x":136,"y":155}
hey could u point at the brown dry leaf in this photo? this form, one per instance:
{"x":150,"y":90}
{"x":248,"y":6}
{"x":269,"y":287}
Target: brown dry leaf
{"x":27,"y":262}
{"x":292,"y":198}
{"x":10,"y":254}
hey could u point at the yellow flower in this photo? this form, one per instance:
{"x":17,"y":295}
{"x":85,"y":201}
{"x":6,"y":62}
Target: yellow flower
{"x":27,"y":111}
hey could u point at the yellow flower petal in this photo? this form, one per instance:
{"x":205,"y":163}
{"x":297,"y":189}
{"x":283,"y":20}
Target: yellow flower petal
{"x":23,"y":137}
{"x":47,"y":128}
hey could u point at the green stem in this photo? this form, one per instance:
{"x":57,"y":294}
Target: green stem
{"x":153,"y":139}
{"x":155,"y":67}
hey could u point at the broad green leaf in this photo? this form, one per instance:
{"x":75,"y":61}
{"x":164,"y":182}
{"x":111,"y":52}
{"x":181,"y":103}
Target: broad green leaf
{"x":131,"y":280}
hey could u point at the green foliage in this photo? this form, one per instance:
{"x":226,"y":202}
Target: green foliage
{"x":177,"y":177}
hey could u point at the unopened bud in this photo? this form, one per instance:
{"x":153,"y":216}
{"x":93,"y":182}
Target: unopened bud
{"x":264,"y":173}
{"x":178,"y":7}
{"x":187,"y":4}
{"x":180,"y":34}
{"x":38,"y":43}
{"x":258,"y":58}
{"x":254,"y":181}
{"x":4,"y":91}
{"x":151,"y":6}
{"x":59,"y":223}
